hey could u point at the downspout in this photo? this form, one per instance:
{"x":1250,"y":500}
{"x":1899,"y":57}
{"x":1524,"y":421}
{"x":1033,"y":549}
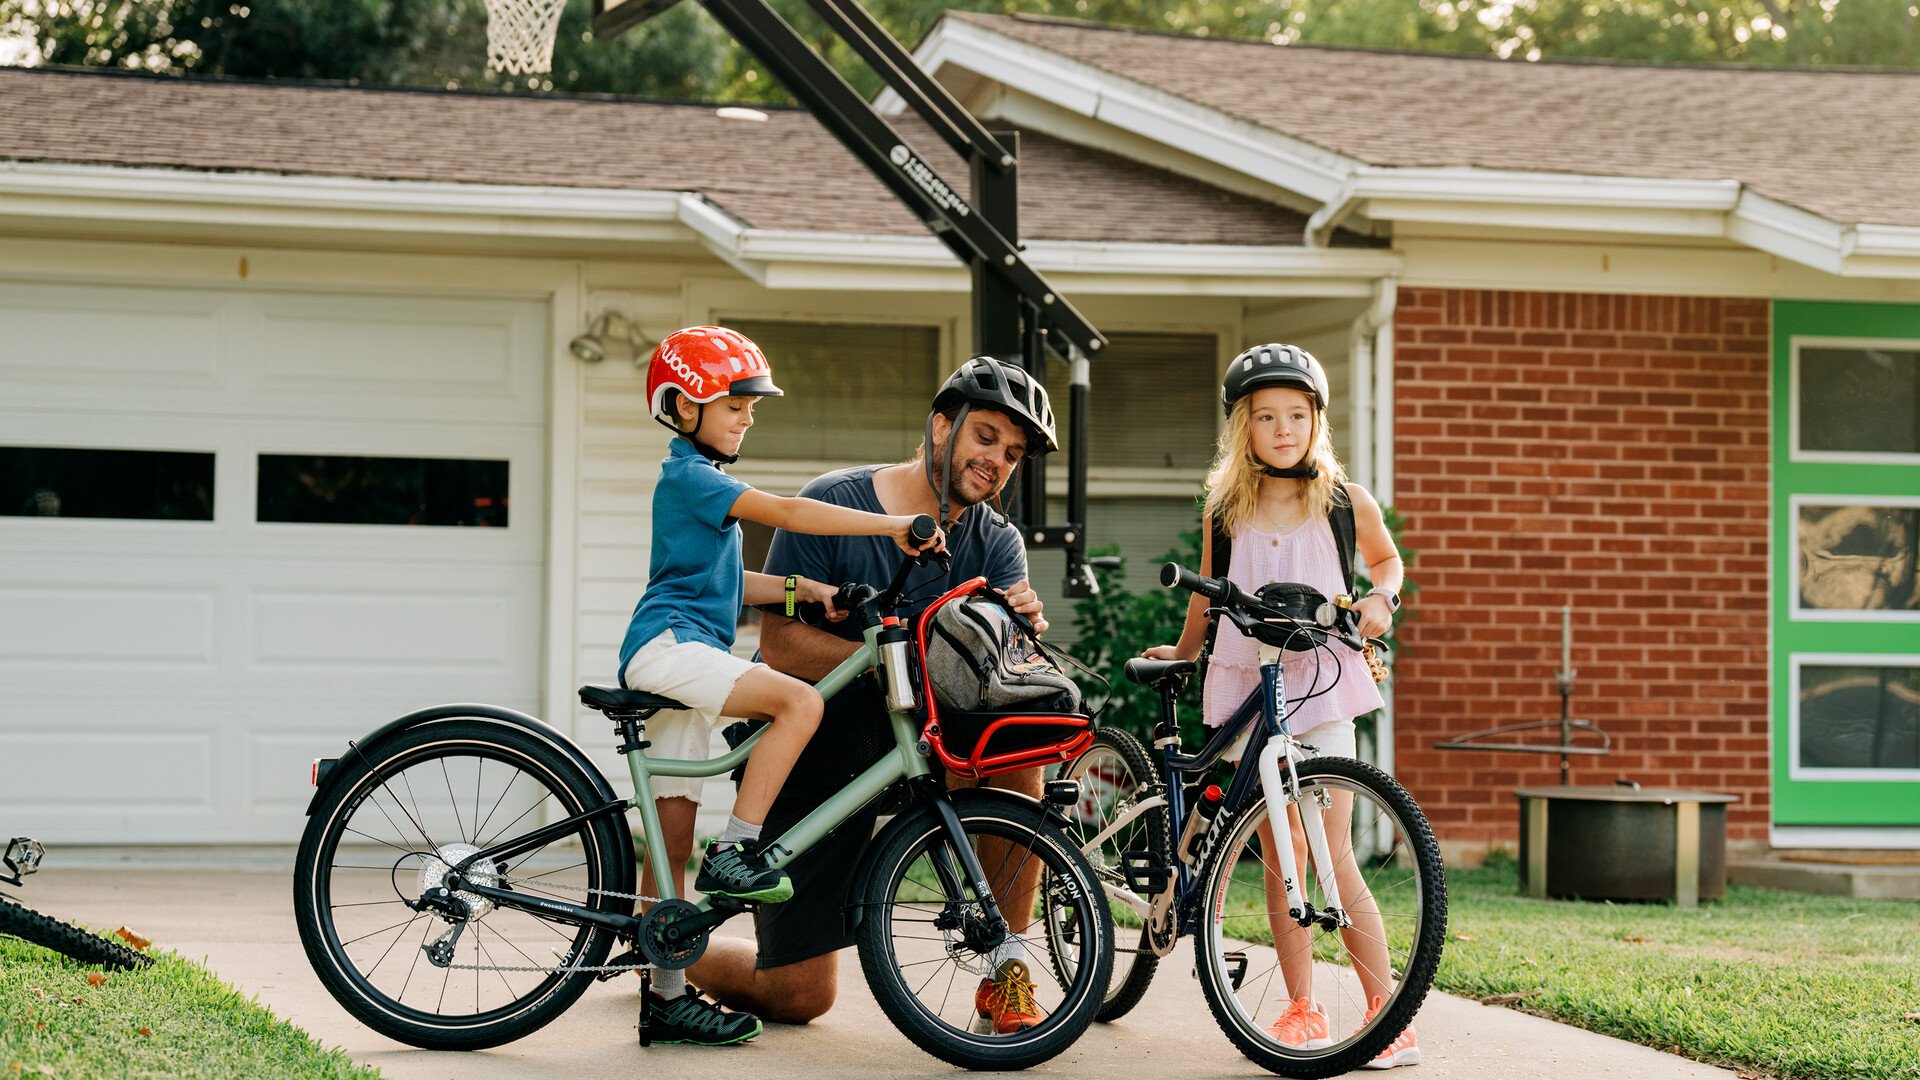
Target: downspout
{"x":1372,"y":341}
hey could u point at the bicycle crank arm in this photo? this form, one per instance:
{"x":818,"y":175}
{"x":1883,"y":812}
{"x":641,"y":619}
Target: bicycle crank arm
{"x":556,"y":909}
{"x":1121,"y":822}
{"x":1135,"y":902}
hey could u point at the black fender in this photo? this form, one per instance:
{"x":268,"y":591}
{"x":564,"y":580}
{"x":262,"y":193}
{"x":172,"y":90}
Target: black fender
{"x":920,"y":817}
{"x":328,"y":779}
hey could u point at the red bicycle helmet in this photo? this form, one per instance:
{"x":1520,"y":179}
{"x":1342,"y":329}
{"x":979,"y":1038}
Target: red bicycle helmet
{"x":706,"y":363}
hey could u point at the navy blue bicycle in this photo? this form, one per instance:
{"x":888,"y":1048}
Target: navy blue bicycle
{"x":1334,"y":887}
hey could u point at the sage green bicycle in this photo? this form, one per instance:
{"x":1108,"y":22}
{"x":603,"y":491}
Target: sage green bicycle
{"x":466,"y":872}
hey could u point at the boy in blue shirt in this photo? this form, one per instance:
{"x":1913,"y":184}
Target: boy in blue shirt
{"x":702,"y":383}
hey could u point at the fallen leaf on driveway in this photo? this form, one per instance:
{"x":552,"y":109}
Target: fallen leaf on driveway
{"x":1508,"y":999}
{"x":134,"y":938}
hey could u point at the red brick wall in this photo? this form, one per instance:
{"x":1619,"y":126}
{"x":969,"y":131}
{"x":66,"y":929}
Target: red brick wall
{"x":1608,"y":452}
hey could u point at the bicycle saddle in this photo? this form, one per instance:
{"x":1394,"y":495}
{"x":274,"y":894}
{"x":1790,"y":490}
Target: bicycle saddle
{"x":614,"y":699}
{"x":1154,"y":672}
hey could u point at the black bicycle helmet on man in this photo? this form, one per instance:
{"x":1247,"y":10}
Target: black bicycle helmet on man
{"x":986,"y":382}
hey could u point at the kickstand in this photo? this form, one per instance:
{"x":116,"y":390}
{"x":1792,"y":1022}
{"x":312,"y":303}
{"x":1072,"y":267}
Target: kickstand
{"x":646,"y":1002}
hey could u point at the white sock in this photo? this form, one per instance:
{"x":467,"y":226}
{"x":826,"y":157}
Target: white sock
{"x":739,"y":830}
{"x":669,"y":983}
{"x":1014,"y":948}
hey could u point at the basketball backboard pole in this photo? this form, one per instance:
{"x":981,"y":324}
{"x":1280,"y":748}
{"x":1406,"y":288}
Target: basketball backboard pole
{"x":1016,"y":312}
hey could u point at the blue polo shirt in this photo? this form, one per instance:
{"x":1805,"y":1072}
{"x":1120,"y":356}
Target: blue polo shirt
{"x":694,"y":580}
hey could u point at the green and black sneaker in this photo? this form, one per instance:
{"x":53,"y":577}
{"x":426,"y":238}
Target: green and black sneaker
{"x":731,"y":869}
{"x":691,"y":1018}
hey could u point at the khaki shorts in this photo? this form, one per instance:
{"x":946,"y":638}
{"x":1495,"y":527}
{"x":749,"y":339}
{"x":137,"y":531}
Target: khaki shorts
{"x":696,"y":674}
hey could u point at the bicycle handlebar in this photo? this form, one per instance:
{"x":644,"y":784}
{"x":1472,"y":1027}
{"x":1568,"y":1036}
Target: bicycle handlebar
{"x":1255,"y":618}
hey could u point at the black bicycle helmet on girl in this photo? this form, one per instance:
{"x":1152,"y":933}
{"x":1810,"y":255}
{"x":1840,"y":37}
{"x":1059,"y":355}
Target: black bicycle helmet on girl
{"x":995,"y":384}
{"x":1274,"y":364}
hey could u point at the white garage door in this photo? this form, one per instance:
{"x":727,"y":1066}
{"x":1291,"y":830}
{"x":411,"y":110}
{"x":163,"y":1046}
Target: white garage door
{"x":240,"y":527}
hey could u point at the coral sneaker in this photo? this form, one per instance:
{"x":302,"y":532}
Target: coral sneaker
{"x":1403,"y":1050}
{"x":1005,"y":1002}
{"x":1303,"y":1026}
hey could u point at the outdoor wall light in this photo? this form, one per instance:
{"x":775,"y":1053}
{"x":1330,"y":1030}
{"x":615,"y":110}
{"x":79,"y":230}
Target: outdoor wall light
{"x":610,"y":328}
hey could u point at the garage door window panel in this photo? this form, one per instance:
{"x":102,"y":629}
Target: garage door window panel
{"x":332,"y":489}
{"x":138,"y":485}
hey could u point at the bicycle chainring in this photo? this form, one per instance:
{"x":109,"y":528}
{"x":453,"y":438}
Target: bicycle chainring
{"x":650,"y":937}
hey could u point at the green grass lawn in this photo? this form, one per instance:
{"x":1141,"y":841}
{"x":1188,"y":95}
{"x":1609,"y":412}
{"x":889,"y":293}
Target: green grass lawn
{"x":174,"y":1019}
{"x":1779,"y":983}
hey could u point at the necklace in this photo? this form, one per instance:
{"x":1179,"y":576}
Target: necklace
{"x":1281,"y":525}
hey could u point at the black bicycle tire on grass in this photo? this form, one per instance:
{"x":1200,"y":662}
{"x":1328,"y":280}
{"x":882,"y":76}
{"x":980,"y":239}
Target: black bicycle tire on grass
{"x":66,"y":939}
{"x":361,"y":775}
{"x":982,"y":812}
{"x":1416,"y":977}
{"x":1154,"y":830}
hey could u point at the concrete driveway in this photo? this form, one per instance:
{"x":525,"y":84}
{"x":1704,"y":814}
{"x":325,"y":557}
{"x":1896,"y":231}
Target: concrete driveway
{"x":233,"y":910}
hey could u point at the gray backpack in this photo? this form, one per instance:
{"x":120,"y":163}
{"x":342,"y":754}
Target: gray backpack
{"x":982,"y":656}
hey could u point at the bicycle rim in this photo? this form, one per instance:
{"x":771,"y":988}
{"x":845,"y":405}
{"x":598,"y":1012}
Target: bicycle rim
{"x":1368,"y":978}
{"x":393,"y":835}
{"x":1115,"y":774}
{"x":927,"y":969}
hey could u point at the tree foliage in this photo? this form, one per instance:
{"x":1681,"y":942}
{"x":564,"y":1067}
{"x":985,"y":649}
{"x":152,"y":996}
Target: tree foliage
{"x":684,"y":54}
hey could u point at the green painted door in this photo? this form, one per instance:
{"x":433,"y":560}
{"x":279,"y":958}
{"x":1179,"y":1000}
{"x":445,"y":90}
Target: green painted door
{"x":1846,"y":540}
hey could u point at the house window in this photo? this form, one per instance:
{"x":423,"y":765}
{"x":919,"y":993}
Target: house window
{"x":323,"y":489}
{"x":1856,"y":558}
{"x":141,"y":485}
{"x":1857,"y":401}
{"x":1857,"y":717}
{"x":1155,"y":401}
{"x":855,"y":392}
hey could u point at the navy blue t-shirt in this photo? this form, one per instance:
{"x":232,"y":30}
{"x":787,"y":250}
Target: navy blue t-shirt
{"x":853,"y":733}
{"x":982,"y":545}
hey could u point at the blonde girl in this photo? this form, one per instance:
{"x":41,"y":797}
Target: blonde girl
{"x":1274,"y":482}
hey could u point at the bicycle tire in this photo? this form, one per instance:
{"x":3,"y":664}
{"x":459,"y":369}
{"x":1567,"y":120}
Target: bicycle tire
{"x":340,"y":886}
{"x":1115,"y":771}
{"x":897,"y":875}
{"x":17,"y":920}
{"x":1408,"y":893}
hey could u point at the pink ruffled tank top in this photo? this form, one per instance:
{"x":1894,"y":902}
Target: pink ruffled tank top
{"x":1306,"y":555}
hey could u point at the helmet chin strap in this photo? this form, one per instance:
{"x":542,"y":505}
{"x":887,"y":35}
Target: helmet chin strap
{"x":1308,"y":471}
{"x":944,"y":485}
{"x":706,"y":451}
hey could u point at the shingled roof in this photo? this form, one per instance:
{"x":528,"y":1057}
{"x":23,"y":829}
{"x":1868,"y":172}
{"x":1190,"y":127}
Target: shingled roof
{"x":1842,"y":144}
{"x":787,"y":173}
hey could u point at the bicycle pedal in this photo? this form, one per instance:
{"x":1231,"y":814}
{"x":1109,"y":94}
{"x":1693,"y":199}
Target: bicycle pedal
{"x":1145,"y":875}
{"x":1236,"y":963}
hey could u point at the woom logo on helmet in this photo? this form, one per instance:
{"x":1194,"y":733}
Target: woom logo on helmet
{"x":698,"y":382}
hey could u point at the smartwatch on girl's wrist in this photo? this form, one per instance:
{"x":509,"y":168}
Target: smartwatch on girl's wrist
{"x":1393,"y":598}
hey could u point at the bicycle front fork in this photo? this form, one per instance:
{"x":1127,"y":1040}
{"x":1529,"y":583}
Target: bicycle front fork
{"x":1283,"y":790}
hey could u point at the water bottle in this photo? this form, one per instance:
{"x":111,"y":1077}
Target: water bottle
{"x":892,"y":641}
{"x":1194,"y":836}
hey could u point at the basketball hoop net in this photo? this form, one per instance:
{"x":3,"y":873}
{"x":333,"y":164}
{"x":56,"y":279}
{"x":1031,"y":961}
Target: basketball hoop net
{"x":520,"y":35}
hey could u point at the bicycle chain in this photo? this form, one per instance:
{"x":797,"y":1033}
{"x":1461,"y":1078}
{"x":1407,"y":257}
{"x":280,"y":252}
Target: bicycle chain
{"x":562,"y":970}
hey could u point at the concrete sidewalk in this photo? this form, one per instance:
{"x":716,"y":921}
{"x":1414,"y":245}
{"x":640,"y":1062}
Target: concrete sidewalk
{"x":238,"y":919}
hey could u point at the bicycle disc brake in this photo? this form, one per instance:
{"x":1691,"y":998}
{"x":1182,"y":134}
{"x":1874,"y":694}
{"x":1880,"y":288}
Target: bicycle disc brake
{"x":659,"y":943}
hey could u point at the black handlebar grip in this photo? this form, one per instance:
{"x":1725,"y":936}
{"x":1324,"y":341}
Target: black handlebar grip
{"x":1174,"y":575}
{"x":922,"y":529}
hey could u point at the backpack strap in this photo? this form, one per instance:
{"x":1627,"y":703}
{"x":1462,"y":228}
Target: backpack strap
{"x":1340,"y":518}
{"x":1222,"y":549}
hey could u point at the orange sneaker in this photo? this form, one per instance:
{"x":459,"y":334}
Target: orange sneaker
{"x":1005,"y":1002}
{"x":1403,"y":1050}
{"x":1303,"y":1026}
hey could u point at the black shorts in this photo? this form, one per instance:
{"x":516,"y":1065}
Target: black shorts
{"x":853,"y":735}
